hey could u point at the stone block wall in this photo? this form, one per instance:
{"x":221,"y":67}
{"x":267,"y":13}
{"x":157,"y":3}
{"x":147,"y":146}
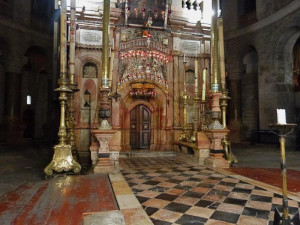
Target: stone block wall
{"x":273,"y":40}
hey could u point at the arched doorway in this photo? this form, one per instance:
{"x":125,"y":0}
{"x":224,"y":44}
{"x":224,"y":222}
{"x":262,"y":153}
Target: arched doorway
{"x":28,"y":122}
{"x":140,"y":127}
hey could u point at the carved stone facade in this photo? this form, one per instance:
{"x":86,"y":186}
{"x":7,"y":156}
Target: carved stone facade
{"x":140,"y":57}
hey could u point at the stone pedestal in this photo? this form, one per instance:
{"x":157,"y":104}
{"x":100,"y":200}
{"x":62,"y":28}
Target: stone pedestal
{"x":203,"y":144}
{"x":103,"y":160}
{"x":216,"y":158}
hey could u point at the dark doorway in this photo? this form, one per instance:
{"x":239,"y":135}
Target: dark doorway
{"x":140,"y":127}
{"x":28,"y":122}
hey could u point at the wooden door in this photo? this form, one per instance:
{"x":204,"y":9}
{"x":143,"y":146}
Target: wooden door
{"x":140,"y":124}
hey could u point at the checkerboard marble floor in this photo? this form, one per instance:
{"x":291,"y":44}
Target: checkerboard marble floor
{"x":173,"y":191}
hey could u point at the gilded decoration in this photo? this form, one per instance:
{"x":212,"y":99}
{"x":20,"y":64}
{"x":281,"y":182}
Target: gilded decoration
{"x":90,"y":70}
{"x":138,"y":66}
{"x":62,"y":161}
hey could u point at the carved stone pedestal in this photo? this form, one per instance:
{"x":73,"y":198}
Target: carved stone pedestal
{"x":103,"y":160}
{"x":216,"y":158}
{"x":203,"y":144}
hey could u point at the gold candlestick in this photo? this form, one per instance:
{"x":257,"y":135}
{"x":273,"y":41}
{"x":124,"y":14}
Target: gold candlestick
{"x":203,"y":115}
{"x":196,"y":104}
{"x":105,"y":110}
{"x":231,"y":158}
{"x":62,"y":158}
{"x":282,"y":130}
{"x":184,"y":135}
{"x":73,"y":85}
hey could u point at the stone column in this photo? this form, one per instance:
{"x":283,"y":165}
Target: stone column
{"x":12,"y":107}
{"x":235,"y":110}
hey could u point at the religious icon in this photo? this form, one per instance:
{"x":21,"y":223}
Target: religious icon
{"x":145,"y":33}
{"x":165,"y":41}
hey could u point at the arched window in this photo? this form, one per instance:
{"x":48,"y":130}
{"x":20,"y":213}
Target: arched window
{"x":90,"y":70}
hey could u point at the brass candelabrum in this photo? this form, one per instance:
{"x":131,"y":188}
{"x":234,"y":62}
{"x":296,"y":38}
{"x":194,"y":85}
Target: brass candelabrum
{"x":282,"y":130}
{"x":184,"y":136}
{"x":231,"y":158}
{"x":203,"y":115}
{"x":62,"y":159}
{"x":196,"y":117}
{"x":71,"y":122}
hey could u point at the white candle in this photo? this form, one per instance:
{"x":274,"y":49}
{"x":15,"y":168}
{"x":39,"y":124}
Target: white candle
{"x":281,"y":117}
{"x":183,"y":57}
{"x":204,"y":85}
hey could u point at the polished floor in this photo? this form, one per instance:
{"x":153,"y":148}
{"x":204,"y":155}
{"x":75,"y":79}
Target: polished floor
{"x":171,"y":189}
{"x":63,"y":200}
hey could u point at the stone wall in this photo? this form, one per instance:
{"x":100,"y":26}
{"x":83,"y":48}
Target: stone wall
{"x":273,"y":40}
{"x":18,"y":33}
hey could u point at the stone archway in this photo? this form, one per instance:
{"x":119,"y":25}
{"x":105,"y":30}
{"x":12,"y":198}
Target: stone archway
{"x":157,"y":107}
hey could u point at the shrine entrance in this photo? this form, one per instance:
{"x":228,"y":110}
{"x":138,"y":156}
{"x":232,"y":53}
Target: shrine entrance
{"x":140,"y":127}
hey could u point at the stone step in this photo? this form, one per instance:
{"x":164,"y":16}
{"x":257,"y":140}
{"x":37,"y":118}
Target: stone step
{"x":145,"y":154}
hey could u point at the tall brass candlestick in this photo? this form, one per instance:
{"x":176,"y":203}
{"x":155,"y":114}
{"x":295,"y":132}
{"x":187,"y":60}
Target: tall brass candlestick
{"x":105,"y":110}
{"x":231,"y":158}
{"x":204,"y":85}
{"x":62,"y":158}
{"x":73,"y":86}
{"x":222,"y":55}
{"x":215,"y":50}
{"x":105,"y":43}
{"x":196,"y":104}
{"x":203,"y":99}
{"x":184,"y":136}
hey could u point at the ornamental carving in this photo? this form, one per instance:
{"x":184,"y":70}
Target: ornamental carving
{"x":140,"y":66}
{"x":90,"y":70}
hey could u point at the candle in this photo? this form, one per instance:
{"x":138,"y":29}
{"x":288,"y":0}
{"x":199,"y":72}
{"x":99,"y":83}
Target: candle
{"x":183,"y":57}
{"x":196,"y":75}
{"x":204,"y":85}
{"x":281,"y":117}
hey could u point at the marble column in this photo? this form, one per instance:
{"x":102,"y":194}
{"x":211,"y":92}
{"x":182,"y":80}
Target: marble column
{"x":12,"y":107}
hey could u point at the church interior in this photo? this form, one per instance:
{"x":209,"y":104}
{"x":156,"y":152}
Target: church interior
{"x":149,"y":112}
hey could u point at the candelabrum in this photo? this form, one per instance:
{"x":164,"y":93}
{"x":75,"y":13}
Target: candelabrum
{"x":231,"y":158}
{"x":196,"y":117}
{"x":203,"y":115}
{"x":62,"y":159}
{"x":282,"y":130}
{"x":70,"y":121}
{"x":184,"y":97}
